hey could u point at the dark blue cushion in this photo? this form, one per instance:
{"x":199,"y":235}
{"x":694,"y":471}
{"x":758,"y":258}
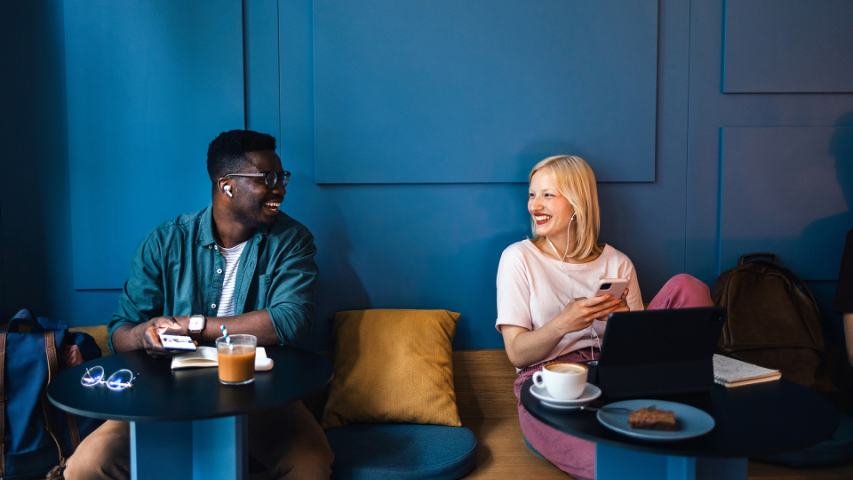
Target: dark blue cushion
{"x":401,"y":451}
{"x":836,"y":450}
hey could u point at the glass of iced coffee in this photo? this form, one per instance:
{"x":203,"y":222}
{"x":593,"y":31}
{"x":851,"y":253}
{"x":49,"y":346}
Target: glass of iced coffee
{"x":236,"y":359}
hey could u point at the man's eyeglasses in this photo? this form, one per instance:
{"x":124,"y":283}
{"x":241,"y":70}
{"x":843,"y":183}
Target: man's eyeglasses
{"x":271,"y":179}
{"x":118,"y":381}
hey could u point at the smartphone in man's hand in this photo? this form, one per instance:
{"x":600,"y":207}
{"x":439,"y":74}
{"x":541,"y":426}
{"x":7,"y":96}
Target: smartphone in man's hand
{"x":177,"y":342}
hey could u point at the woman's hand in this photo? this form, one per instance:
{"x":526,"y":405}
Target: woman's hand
{"x":579,"y":314}
{"x":526,"y":347}
{"x":623,"y":302}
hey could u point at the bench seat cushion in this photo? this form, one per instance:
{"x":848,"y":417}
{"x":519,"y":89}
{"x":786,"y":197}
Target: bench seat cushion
{"x":835,"y":450}
{"x":401,"y":451}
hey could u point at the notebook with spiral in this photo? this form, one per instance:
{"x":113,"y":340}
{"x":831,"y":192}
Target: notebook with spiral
{"x":730,"y":372}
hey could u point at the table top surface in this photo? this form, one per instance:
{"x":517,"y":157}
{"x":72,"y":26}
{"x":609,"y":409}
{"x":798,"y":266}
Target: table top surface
{"x":160,"y":394}
{"x":752,"y":420}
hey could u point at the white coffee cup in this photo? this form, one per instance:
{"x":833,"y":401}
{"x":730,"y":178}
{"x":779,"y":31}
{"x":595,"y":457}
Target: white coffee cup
{"x":562,"y":380}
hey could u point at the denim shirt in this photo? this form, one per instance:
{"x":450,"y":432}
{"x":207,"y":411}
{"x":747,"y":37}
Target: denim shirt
{"x":178,"y":270}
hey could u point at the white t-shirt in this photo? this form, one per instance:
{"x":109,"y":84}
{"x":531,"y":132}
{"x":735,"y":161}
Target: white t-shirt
{"x":232,"y":259}
{"x":533,"y":288}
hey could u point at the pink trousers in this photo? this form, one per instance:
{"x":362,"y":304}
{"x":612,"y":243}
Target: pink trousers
{"x":573,"y":455}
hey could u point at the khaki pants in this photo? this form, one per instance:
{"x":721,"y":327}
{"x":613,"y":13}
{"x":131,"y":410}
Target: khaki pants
{"x":288,"y":441}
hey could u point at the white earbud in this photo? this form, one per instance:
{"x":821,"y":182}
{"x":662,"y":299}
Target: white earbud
{"x":227,"y":190}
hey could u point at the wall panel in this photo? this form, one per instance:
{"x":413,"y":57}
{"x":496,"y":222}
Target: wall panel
{"x":788,"y":46}
{"x":459,"y":92}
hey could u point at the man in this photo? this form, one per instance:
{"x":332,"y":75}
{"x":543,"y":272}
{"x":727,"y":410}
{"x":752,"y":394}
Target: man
{"x":240,"y":262}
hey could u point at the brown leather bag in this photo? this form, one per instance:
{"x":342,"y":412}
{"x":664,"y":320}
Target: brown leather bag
{"x":772,"y":318}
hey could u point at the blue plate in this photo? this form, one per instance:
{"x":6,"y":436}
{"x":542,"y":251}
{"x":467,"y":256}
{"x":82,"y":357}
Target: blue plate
{"x":692,"y":421}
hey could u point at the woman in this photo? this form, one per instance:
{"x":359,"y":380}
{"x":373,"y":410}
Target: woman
{"x":545,"y":292}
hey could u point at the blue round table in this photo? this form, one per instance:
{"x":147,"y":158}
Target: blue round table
{"x":184,"y":423}
{"x":750,"y":421}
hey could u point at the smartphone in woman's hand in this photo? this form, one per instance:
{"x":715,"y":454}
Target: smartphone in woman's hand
{"x":611,"y":286}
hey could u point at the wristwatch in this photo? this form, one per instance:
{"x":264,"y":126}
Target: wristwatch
{"x":196,"y":326}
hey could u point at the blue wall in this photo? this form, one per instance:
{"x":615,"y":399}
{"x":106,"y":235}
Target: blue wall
{"x":34,"y":215}
{"x":410,"y":126}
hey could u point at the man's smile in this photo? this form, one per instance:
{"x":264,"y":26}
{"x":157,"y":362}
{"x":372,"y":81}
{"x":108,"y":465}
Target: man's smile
{"x":272,"y":206}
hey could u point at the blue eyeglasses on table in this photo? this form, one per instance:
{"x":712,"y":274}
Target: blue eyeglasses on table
{"x":118,"y":381}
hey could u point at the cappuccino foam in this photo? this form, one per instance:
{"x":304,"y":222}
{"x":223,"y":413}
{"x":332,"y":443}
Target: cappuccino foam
{"x":566,"y":368}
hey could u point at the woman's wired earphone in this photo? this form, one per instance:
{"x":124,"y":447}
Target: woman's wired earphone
{"x":227,"y":189}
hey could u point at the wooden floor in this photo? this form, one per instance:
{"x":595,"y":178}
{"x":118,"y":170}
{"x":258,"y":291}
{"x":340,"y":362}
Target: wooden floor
{"x":764,"y":471}
{"x":517,"y":462}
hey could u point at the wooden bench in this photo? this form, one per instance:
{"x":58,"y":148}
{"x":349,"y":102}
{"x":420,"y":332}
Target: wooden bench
{"x":483,"y":380}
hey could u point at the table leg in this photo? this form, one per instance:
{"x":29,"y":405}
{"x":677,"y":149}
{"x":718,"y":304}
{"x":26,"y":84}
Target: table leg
{"x":202,"y":449}
{"x":161,"y":450}
{"x":220,"y":448}
{"x":619,"y":463}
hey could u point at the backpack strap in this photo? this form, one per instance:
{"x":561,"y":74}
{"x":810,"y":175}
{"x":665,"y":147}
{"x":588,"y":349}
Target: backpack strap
{"x":758,"y":256}
{"x":73,"y":430}
{"x":2,"y":404}
{"x":52,"y":370}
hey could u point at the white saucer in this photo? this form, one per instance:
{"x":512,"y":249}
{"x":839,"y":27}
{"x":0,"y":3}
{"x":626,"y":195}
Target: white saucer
{"x":590,"y":393}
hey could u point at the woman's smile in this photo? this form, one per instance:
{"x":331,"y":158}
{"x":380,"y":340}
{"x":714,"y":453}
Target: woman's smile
{"x":541,"y":219}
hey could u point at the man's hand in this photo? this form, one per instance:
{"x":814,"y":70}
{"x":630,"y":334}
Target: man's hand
{"x":149,"y":333}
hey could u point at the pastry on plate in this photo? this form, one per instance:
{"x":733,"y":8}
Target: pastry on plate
{"x":653,"y":418}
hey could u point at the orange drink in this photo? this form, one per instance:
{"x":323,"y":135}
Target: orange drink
{"x":237,"y":359}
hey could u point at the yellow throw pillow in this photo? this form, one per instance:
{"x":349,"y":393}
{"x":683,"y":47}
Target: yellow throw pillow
{"x":99,"y":333}
{"x":393,"y":366}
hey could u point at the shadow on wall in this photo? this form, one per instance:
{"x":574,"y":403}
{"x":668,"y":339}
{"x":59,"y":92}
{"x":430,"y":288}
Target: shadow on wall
{"x":800,"y":209}
{"x":339,"y":286}
{"x":464,"y":261}
{"x":34,"y":230}
{"x":473,"y":324}
{"x":833,"y":229}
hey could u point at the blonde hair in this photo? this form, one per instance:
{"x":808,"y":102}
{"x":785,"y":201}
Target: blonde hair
{"x":576,"y":182}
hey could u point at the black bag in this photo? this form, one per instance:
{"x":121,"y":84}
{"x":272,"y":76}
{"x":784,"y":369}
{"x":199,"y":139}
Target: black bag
{"x":772,"y":318}
{"x":35,"y":437}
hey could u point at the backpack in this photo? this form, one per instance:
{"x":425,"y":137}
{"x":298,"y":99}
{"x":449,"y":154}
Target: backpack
{"x":772,"y":318}
{"x":35,"y":436}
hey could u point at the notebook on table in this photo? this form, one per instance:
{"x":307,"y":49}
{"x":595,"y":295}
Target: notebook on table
{"x":730,"y":372}
{"x":204,"y":357}
{"x":659,"y":352}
